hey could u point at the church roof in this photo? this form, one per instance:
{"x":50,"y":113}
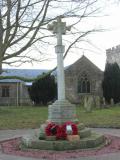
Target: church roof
{"x":84,"y":59}
{"x":32,"y":73}
{"x":27,"y":73}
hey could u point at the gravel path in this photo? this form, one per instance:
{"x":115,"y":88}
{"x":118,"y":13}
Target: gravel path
{"x":7,"y":134}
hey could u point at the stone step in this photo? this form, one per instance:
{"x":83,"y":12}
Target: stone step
{"x":93,"y":141}
{"x":80,"y":126}
{"x":85,"y":133}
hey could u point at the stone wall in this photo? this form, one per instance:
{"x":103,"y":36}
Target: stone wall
{"x":24,"y":95}
{"x":18,"y":94}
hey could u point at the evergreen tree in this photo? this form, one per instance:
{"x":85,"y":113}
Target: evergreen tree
{"x":43,"y":90}
{"x":111,"y":82}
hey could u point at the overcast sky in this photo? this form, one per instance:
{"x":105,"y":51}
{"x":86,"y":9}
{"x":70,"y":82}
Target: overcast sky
{"x":106,"y":39}
{"x":101,"y":41}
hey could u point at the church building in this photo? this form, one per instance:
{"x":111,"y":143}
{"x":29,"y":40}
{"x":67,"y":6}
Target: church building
{"x":83,"y":78}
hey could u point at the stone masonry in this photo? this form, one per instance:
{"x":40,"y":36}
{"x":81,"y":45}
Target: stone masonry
{"x":75,"y":72}
{"x":113,"y":55}
{"x":61,"y":110}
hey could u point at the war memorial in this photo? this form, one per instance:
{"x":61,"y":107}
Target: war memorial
{"x":62,"y":130}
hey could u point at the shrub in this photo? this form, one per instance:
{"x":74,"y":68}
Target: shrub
{"x":43,"y":90}
{"x":111,"y":82}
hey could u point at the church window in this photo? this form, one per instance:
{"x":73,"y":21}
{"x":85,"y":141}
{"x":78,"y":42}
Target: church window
{"x":88,"y":87}
{"x":5,"y":91}
{"x":84,"y":85}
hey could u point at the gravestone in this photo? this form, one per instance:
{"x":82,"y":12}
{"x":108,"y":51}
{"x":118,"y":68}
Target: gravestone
{"x":104,"y":102}
{"x":111,"y":101}
{"x":88,"y":103}
{"x":97,"y":101}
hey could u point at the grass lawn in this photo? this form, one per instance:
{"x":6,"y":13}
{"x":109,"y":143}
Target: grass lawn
{"x":32,"y":117}
{"x":109,"y":117}
{"x":22,"y":117}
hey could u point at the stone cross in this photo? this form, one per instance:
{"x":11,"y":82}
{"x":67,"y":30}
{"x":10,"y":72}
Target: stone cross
{"x":61,"y":110}
{"x":59,"y":28}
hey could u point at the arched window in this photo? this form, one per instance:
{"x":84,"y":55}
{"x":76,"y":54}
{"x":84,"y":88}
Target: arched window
{"x":83,"y":85}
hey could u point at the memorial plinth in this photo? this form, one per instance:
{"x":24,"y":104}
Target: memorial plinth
{"x":62,"y":111}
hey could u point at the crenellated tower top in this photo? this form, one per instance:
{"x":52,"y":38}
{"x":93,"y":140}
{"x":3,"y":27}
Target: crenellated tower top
{"x":113,"y":55}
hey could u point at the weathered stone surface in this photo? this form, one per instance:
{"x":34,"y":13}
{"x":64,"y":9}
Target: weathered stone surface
{"x":50,"y":138}
{"x":62,"y":111}
{"x":85,"y":133}
{"x":41,"y":133}
{"x":75,"y":72}
{"x":90,"y":142}
{"x":113,"y":55}
{"x":88,"y":103}
{"x":97,"y":101}
{"x":80,"y":126}
{"x":111,"y":101}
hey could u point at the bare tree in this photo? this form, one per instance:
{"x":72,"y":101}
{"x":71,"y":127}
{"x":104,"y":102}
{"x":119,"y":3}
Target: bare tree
{"x":23,"y":26}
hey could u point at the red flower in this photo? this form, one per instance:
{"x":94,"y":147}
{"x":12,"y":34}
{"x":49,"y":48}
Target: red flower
{"x":59,"y":131}
{"x":51,"y":129}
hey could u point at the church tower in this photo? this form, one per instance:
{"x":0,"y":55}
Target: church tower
{"x":113,"y":55}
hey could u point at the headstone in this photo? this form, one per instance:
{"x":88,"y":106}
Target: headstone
{"x":104,"y":102}
{"x":97,"y":101}
{"x":88,"y":103}
{"x":111,"y":101}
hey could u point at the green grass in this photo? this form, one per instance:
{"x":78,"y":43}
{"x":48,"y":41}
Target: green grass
{"x":32,"y":117}
{"x":22,"y":117}
{"x":109,"y":117}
